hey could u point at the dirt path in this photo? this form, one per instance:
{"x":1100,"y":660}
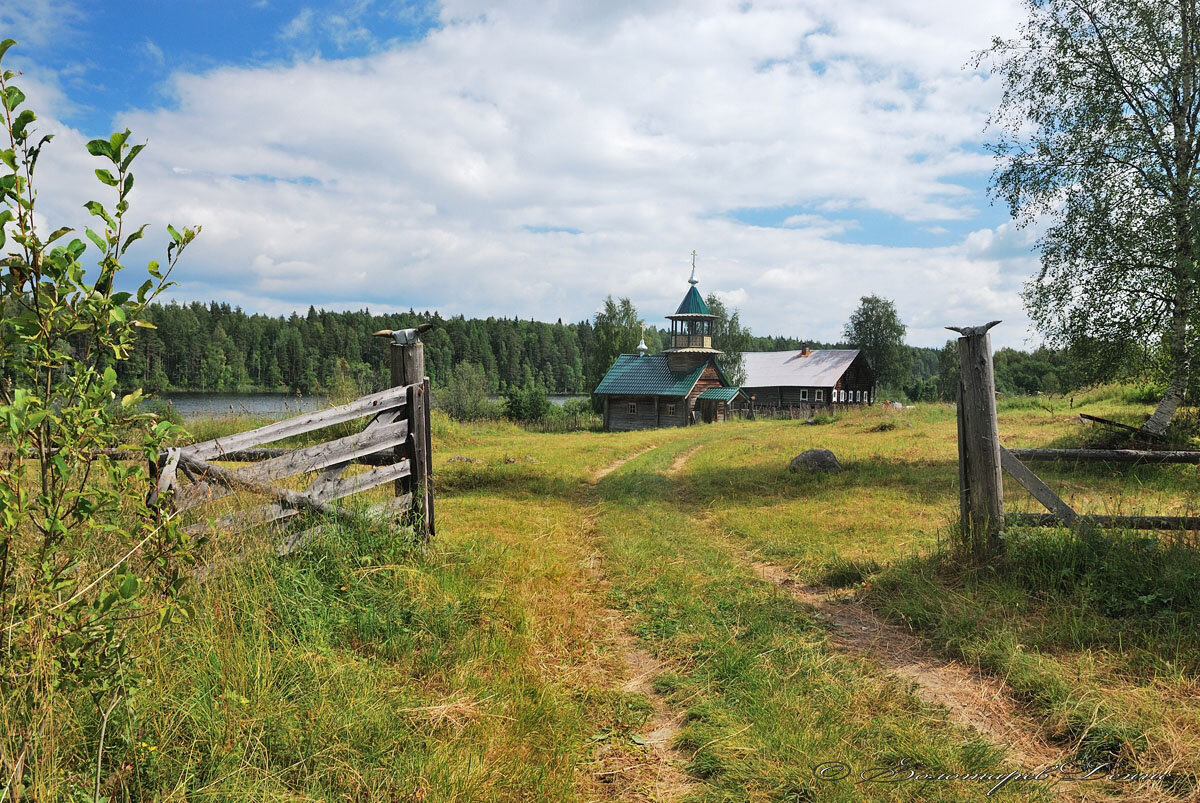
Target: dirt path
{"x":623,"y":770}
{"x":679,"y":462}
{"x":604,"y":472}
{"x":972,"y":699}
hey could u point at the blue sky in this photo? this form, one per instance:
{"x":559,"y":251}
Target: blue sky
{"x":530,"y":157}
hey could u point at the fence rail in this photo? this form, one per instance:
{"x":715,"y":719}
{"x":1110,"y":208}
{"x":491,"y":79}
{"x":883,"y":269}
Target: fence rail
{"x":982,"y":461}
{"x":395,"y":442}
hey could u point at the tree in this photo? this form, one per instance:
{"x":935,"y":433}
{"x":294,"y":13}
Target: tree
{"x":617,"y":329}
{"x":876,"y":330}
{"x":1099,"y":135}
{"x":731,"y":338}
{"x":466,"y":395}
{"x":947,"y":372}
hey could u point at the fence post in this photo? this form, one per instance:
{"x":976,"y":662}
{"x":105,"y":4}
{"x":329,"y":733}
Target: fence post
{"x":407,"y":355}
{"x":981,"y":484}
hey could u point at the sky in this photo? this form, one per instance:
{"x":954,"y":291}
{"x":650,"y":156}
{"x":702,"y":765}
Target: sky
{"x":527,"y":159}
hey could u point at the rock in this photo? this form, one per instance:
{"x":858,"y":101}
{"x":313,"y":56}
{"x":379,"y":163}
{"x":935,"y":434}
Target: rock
{"x":815,"y":460}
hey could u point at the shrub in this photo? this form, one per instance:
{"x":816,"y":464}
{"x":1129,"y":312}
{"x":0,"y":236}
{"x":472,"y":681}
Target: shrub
{"x":527,"y":404}
{"x":465,"y":397}
{"x":83,"y":556}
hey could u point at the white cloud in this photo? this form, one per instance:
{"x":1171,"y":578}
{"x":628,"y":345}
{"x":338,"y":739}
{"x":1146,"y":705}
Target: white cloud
{"x":531,"y":159}
{"x":298,"y":26}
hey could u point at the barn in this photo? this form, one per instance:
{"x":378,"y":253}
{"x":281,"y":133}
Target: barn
{"x":808,"y":377}
{"x":683,"y":385}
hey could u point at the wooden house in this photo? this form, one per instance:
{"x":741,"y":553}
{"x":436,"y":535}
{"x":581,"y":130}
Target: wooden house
{"x":683,"y":385}
{"x":813,"y":378}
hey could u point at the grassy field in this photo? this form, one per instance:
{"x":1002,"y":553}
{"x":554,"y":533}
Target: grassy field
{"x":583,"y":630}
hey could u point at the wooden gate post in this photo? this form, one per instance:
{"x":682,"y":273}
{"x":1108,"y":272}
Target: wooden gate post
{"x":981,"y":486}
{"x":407,"y":355}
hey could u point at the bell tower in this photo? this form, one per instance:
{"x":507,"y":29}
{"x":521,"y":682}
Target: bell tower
{"x":691,"y":330}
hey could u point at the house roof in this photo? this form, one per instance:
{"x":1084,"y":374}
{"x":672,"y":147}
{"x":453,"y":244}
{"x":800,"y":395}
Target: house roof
{"x":787,"y":368}
{"x":651,"y":375}
{"x":692,"y":304}
{"x":721,"y":394}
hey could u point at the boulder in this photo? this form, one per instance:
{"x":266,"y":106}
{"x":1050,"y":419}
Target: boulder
{"x":816,"y":460}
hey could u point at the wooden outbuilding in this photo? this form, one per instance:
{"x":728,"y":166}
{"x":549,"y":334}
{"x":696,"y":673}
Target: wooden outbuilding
{"x":683,"y":385}
{"x":809,"y":377}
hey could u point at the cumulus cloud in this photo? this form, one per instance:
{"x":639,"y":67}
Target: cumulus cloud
{"x":531,"y":158}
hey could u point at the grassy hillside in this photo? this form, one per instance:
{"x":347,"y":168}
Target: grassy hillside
{"x":587,"y":629}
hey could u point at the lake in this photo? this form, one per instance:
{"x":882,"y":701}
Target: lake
{"x":221,"y":405}
{"x":269,"y":405}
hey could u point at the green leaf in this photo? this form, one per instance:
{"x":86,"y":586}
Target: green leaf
{"x":129,"y":586}
{"x":175,"y":235}
{"x":21,"y":123}
{"x":58,"y":233}
{"x":97,"y":209}
{"x":106,"y":177}
{"x":5,"y":45}
{"x":128,"y":184}
{"x":13,"y":98}
{"x":133,"y":151}
{"x":97,"y":240}
{"x":100,"y":147}
{"x":117,"y":141}
{"x":107,"y":602}
{"x":9,"y":158}
{"x":116,"y":315}
{"x":137,"y":235}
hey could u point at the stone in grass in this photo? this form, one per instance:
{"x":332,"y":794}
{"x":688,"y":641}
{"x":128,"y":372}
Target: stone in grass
{"x":816,"y":460}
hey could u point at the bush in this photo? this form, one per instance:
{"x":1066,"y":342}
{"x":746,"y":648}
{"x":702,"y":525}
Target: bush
{"x":465,"y":397}
{"x":527,"y":404}
{"x":86,"y":558}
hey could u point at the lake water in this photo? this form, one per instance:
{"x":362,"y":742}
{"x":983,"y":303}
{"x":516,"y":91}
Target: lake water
{"x":220,"y":405}
{"x":270,"y":405}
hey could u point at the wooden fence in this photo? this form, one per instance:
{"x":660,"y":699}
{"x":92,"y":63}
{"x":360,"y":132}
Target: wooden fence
{"x":982,"y":459}
{"x":395,"y":442}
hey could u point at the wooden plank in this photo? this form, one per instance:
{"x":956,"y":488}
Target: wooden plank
{"x":310,"y":458}
{"x":1110,"y":522}
{"x":241,"y":520}
{"x":1116,"y":424}
{"x":1032,"y":483}
{"x":236,"y":480}
{"x":367,"y":405}
{"x":361,"y":482}
{"x":1109,"y":455}
{"x":258,"y":455}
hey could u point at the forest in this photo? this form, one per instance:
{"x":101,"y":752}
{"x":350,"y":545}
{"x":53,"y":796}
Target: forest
{"x":217,"y":347}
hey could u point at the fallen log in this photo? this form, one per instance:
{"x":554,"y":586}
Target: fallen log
{"x":1108,"y":455}
{"x":1108,"y":522}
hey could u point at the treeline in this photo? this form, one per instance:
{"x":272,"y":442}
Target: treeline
{"x":219,"y":348}
{"x":216,"y":347}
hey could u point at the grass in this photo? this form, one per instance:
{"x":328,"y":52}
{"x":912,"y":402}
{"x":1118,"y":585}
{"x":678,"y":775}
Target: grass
{"x":491,"y":665}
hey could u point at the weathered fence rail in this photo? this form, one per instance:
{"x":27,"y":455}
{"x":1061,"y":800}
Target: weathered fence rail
{"x":395,"y":442}
{"x":982,"y":461}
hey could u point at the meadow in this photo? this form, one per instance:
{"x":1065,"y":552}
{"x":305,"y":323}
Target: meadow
{"x":622,"y":616}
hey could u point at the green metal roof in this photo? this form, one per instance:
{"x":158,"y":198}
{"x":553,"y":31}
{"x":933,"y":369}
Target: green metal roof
{"x":635,"y":375}
{"x":692,"y":304}
{"x":721,"y":394}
